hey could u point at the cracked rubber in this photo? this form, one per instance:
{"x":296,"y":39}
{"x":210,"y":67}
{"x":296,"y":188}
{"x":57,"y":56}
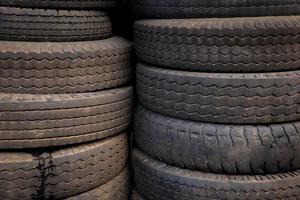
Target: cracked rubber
{"x":115,"y":189}
{"x":61,"y":173}
{"x":250,"y":98}
{"x":218,"y":148}
{"x":68,"y":67}
{"x":60,"y":4}
{"x":158,"y":181}
{"x":23,"y":24}
{"x":220,"y":8}
{"x":261,"y":44}
{"x":30,"y":121}
{"x":136,"y":196}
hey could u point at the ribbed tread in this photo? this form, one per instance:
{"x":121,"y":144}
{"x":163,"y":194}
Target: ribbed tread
{"x":69,"y":67}
{"x":260,"y":44}
{"x":221,"y":8}
{"x":218,"y":148}
{"x":156,"y":181}
{"x":61,"y":4}
{"x":24,"y":24}
{"x":256,"y":98}
{"x":60,"y":173}
{"x":28,"y":121}
{"x":115,"y":189}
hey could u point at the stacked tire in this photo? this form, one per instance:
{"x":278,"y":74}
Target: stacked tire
{"x":218,"y":114}
{"x":65,"y":101}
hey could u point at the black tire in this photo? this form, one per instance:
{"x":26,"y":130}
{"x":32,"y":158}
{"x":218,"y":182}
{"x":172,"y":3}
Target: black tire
{"x":260,"y":44}
{"x":158,"y":181}
{"x":258,"y":98}
{"x":60,"y":4}
{"x":217,"y":148}
{"x":22,"y":24}
{"x":61,"y":173}
{"x":68,"y":67}
{"x":30,"y":121}
{"x":136,"y":196}
{"x":115,"y":189}
{"x":221,"y":8}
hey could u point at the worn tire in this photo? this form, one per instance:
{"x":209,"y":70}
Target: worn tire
{"x":60,"y":4}
{"x":60,"y":173}
{"x":23,"y":24}
{"x":136,"y":196}
{"x":157,"y":181}
{"x":250,"y":98}
{"x":222,"y":8}
{"x":260,"y":44}
{"x":218,"y":148}
{"x":115,"y":189}
{"x":69,"y":67}
{"x":30,"y":121}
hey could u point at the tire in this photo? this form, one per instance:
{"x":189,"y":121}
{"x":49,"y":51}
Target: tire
{"x":156,"y":180}
{"x":115,"y":189}
{"x":22,"y":24}
{"x":218,"y":148}
{"x":136,"y":196}
{"x":69,"y":67}
{"x":31,"y":121}
{"x":60,"y":4}
{"x":61,"y":173}
{"x":260,"y":44}
{"x":222,"y":8}
{"x":257,"y":98}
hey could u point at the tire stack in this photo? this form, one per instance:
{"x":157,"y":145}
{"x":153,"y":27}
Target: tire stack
{"x":65,"y":101}
{"x":219,"y":100}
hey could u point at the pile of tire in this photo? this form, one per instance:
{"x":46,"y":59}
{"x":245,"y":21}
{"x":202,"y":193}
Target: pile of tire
{"x":65,"y":101}
{"x":219,"y":97}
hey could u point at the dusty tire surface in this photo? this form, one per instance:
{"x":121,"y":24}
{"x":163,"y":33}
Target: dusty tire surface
{"x":236,"y":98}
{"x":68,"y":67}
{"x":60,"y":173}
{"x":218,"y":148}
{"x":136,"y":196}
{"x":115,"y":189}
{"x":260,"y":44}
{"x":24,"y":24}
{"x":30,"y":121}
{"x":221,"y":8}
{"x":156,"y":180}
{"x":62,"y":4}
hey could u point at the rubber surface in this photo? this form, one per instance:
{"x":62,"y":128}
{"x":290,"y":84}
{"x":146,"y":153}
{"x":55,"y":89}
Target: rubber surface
{"x":22,"y":24}
{"x":252,"y":98}
{"x":158,"y":181}
{"x":28,"y":121}
{"x":68,"y":67}
{"x":62,"y":4}
{"x":218,"y":148}
{"x":115,"y":189}
{"x":136,"y":196}
{"x":259,"y":44}
{"x":220,"y":8}
{"x":60,"y":173}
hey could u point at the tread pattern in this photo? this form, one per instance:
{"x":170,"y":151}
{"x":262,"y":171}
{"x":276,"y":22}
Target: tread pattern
{"x":221,"y":8}
{"x":260,"y":98}
{"x":115,"y":189}
{"x":60,"y":173}
{"x":69,"y":67}
{"x":156,"y":180}
{"x":218,"y":148}
{"x":23,"y":24}
{"x":29,"y":121}
{"x":260,"y":44}
{"x":62,"y":4}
